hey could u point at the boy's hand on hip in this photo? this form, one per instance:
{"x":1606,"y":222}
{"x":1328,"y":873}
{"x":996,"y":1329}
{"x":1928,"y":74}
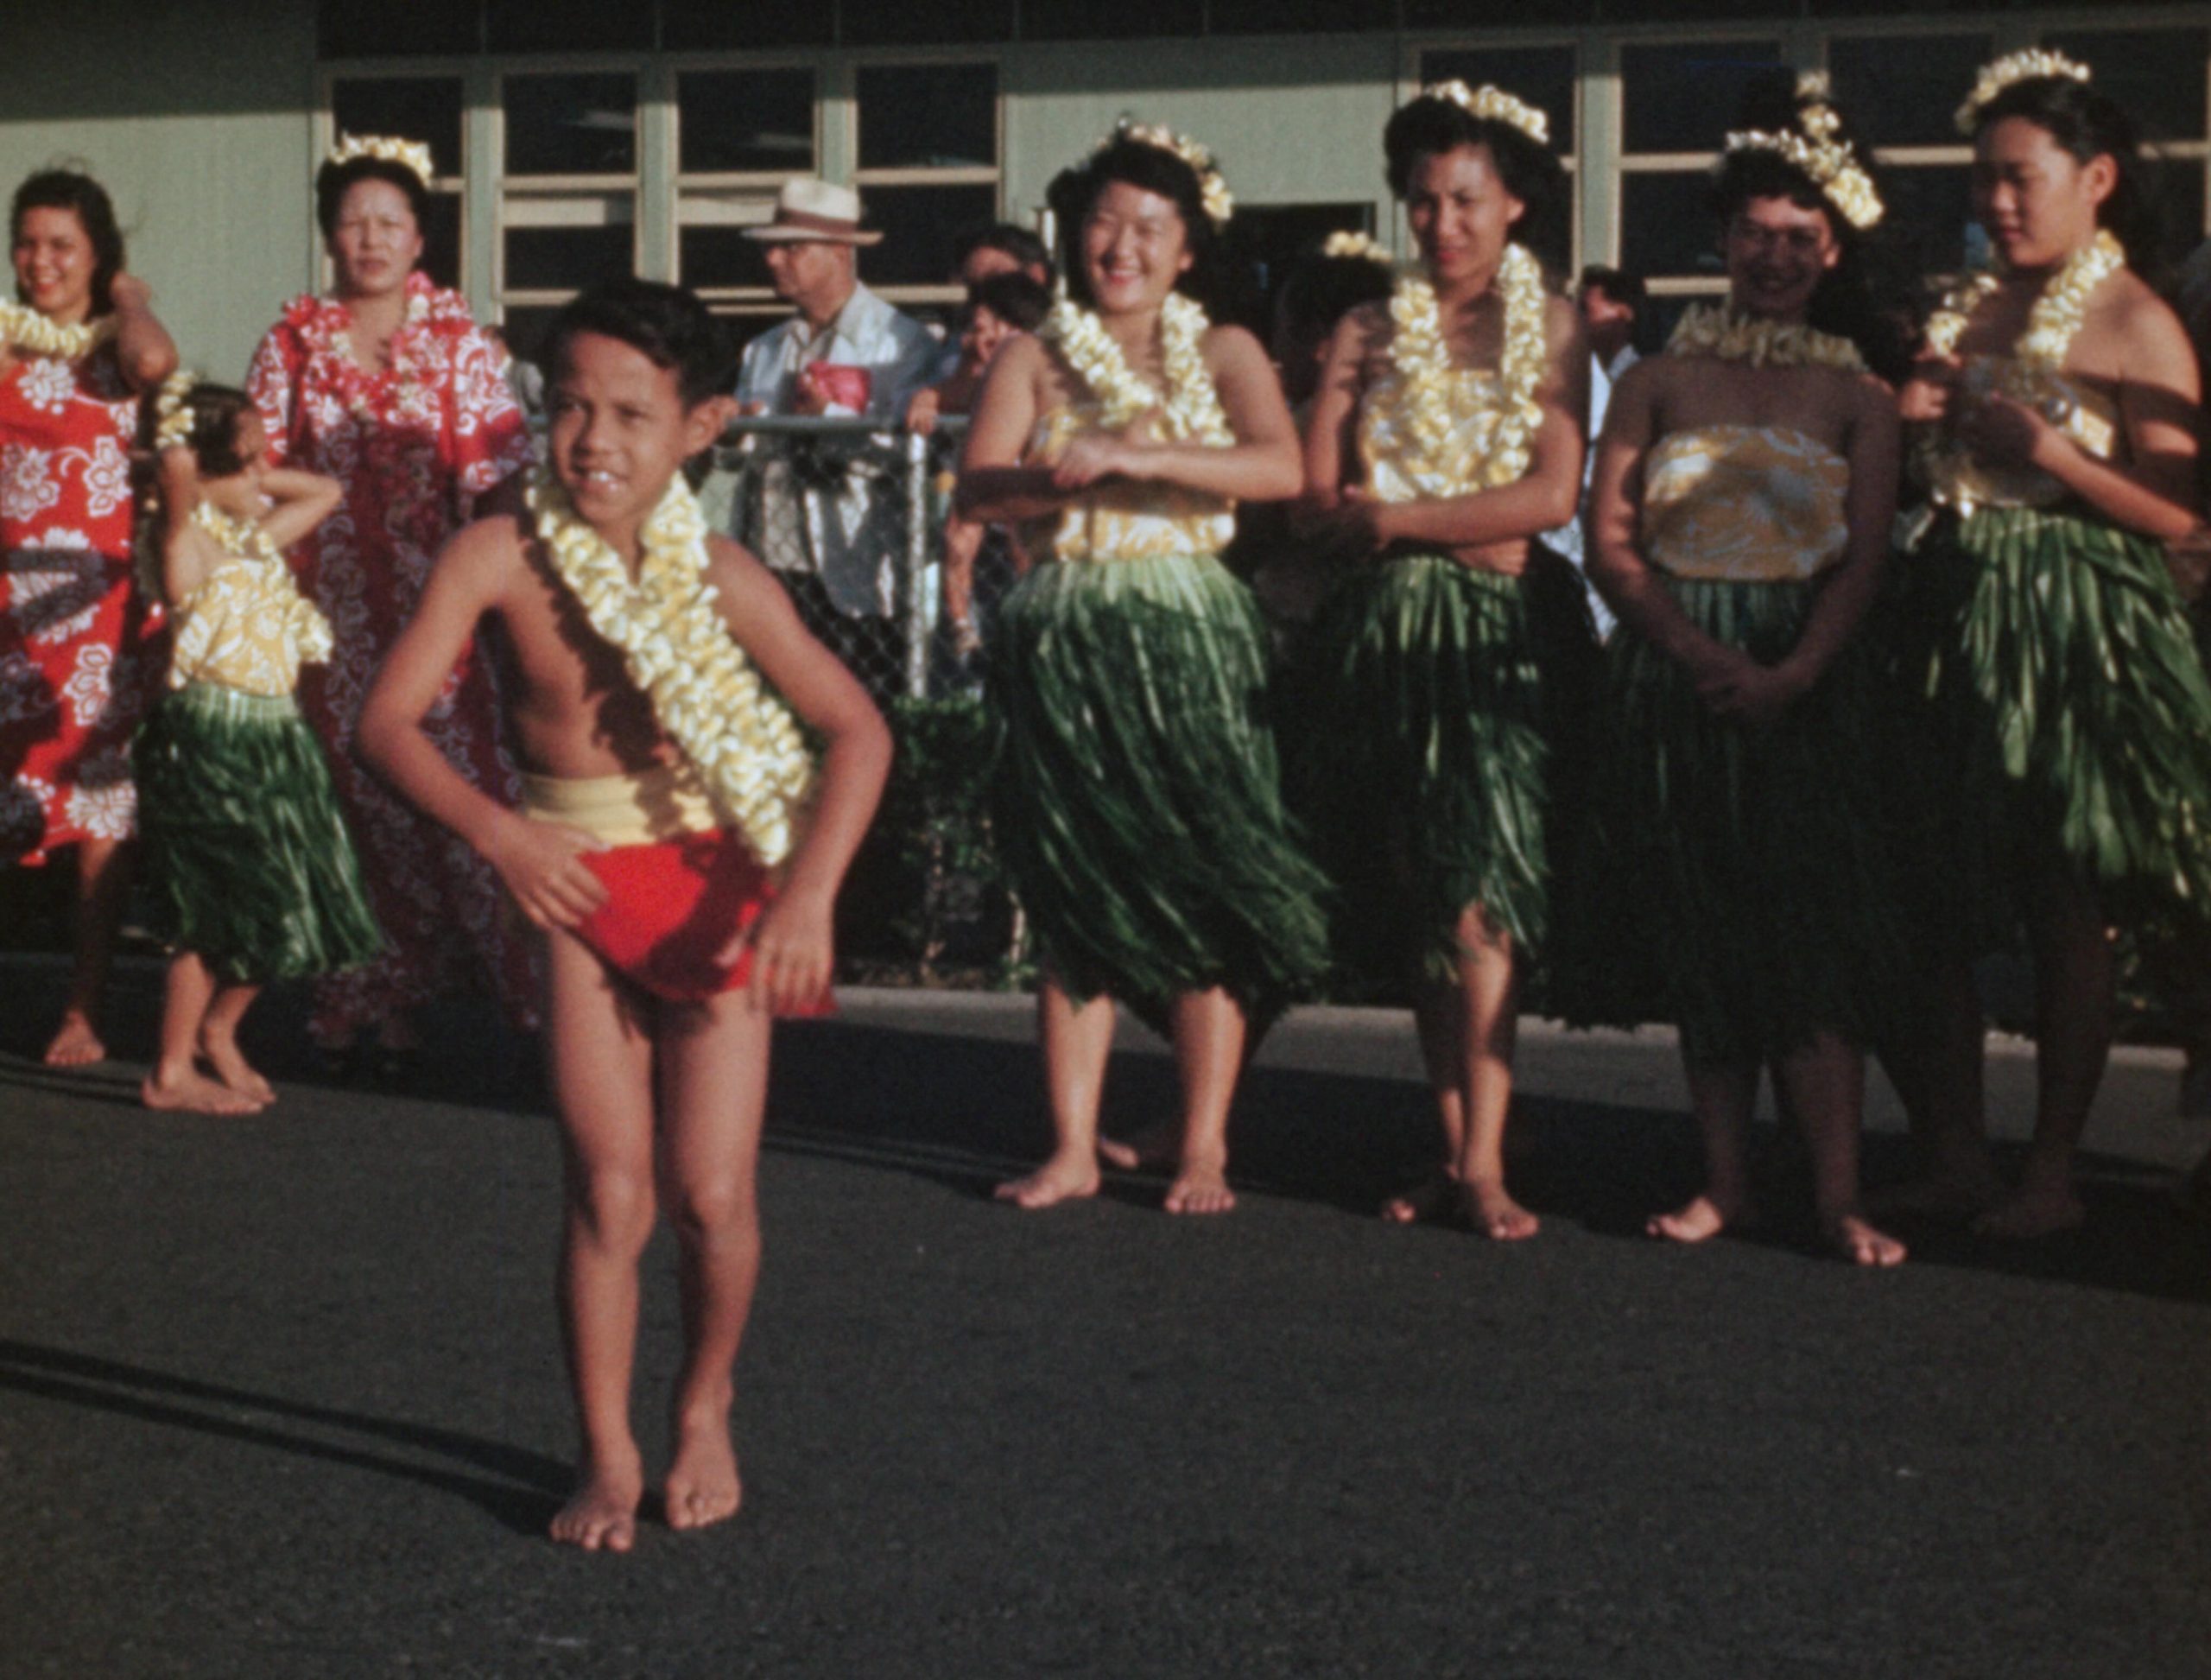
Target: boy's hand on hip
{"x":793,"y":949}
{"x":541,"y":865}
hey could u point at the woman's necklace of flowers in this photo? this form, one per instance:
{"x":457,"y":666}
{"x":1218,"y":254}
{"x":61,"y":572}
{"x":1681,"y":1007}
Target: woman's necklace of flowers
{"x":1432,"y":407}
{"x":1726,"y":335}
{"x":24,"y":328}
{"x":234,"y":535}
{"x":408,"y":387}
{"x":736,"y":732}
{"x":1192,"y":407}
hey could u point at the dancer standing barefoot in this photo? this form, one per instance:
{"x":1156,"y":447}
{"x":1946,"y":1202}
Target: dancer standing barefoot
{"x":1745,"y":489}
{"x":2058,"y":405}
{"x":1448,"y":432}
{"x":1137,"y":799}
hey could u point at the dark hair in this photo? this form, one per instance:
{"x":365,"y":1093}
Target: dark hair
{"x":667,"y":325}
{"x":1431,"y":126}
{"x":1074,"y":194}
{"x":1624,"y":287}
{"x":1320,"y":291}
{"x":213,"y":441}
{"x":78,"y":193}
{"x":1014,"y":240}
{"x":2087,"y":124}
{"x":334,"y":180}
{"x":1014,"y":298}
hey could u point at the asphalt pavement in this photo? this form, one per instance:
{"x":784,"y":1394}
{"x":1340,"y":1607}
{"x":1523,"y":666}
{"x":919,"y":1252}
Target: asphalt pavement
{"x":281,"y":1396}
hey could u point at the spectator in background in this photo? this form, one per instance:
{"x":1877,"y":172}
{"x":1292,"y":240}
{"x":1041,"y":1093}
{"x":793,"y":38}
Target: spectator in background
{"x":846,"y":352}
{"x":1000,"y":248}
{"x":1616,"y":321}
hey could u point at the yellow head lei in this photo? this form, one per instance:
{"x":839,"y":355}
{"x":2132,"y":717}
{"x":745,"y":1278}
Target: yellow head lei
{"x":1832,"y":163}
{"x":1432,"y":404}
{"x":407,"y":154}
{"x":1346,"y":242}
{"x":2030,"y":66}
{"x":1191,"y":409}
{"x":1493,"y":104}
{"x":173,"y":414}
{"x":24,"y":329}
{"x":1218,"y":203}
{"x":735,"y":730}
{"x":1719,"y":332}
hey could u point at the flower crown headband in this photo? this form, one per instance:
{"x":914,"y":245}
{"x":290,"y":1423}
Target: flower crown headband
{"x":1832,"y":163}
{"x":174,"y":415}
{"x":407,"y":154}
{"x":1493,"y":104}
{"x":1348,"y":242}
{"x":1213,"y":196}
{"x":2032,"y":64}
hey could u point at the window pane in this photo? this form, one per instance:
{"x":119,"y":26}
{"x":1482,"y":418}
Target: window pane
{"x":2157,"y":74}
{"x":2178,"y":189}
{"x":1666,"y":225}
{"x":378,"y":29}
{"x":1105,"y":20}
{"x":919,"y":225}
{"x":745,"y":119}
{"x":572,"y":124}
{"x":1458,"y":14}
{"x":442,"y":239}
{"x":525,"y":329}
{"x":928,"y":115}
{"x":542,"y":257}
{"x":1931,"y":216}
{"x":425,"y":108}
{"x":904,"y":23}
{"x":1246,"y":18}
{"x":1543,"y":76}
{"x":692,"y":24}
{"x":1684,"y":96}
{"x":1266,"y":241}
{"x":566,"y":26}
{"x":1902,"y":91}
{"x":719,"y":256}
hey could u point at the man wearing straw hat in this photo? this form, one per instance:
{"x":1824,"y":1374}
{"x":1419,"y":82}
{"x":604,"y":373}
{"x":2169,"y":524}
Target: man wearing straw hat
{"x":828,"y":533}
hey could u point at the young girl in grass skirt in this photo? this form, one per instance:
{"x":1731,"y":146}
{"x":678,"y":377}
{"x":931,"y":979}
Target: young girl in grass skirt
{"x":1742,"y":498}
{"x":252,"y":871}
{"x":1137,"y":793}
{"x":2066,"y":707}
{"x":1447,"y":433}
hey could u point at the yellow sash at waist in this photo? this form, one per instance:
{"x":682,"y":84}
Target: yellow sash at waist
{"x":636,"y":808}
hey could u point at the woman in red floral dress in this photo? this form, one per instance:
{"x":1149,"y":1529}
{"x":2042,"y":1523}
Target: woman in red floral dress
{"x":75,"y":667}
{"x":389,"y":387}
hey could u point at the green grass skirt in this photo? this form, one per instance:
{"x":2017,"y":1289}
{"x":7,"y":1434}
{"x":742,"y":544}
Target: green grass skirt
{"x":1740,"y":884}
{"x":1136,"y":798}
{"x":249,"y":862}
{"x":2053,"y":676}
{"x":1436,"y":716}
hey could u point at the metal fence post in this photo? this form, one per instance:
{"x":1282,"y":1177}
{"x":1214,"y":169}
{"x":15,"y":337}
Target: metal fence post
{"x":917,"y":561}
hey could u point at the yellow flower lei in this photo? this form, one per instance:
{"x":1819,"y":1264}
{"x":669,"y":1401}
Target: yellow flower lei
{"x":27,"y":330}
{"x":242,"y":537}
{"x":1832,"y":164}
{"x":1422,"y":360}
{"x":175,"y":415}
{"x":1716,"y":331}
{"x":735,"y":730}
{"x":2029,"y":66}
{"x":1213,"y":196}
{"x":1192,"y":407}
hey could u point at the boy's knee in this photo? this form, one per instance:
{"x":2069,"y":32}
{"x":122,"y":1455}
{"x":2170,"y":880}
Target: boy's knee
{"x":716,"y":1208}
{"x":617,"y":1206}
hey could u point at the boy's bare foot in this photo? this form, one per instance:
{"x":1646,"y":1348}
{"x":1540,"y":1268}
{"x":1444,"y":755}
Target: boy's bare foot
{"x":1202,"y":1187}
{"x":1436,"y":1197}
{"x":74,"y":1044}
{"x":702,"y":1486}
{"x":1062,"y":1178}
{"x":1853,"y":1237}
{"x":192,"y":1093}
{"x":1699,"y":1220}
{"x":2032,"y":1213}
{"x":233,"y":1069}
{"x":602,"y":1513}
{"x":1154,"y":1146}
{"x":1493,"y":1213}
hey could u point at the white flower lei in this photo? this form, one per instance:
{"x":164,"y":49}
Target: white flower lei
{"x":1422,"y":360}
{"x":736,"y":732}
{"x":1715,"y":330}
{"x":27,"y":330}
{"x":407,"y":390}
{"x":1192,"y":407}
{"x":242,"y":537}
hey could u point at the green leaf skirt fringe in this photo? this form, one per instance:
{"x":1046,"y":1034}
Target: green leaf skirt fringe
{"x":1738,"y":883}
{"x":2062,"y":698}
{"x":1136,"y":799}
{"x":249,"y":861}
{"x":1437,"y":710}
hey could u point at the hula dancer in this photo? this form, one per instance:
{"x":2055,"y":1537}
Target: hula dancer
{"x":1137,"y":796}
{"x":252,"y":871}
{"x":1448,"y":433}
{"x":2059,"y":406}
{"x":1744,"y":493}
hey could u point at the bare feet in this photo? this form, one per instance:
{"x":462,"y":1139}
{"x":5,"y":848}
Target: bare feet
{"x":2032,"y":1213}
{"x":1856,"y":1239}
{"x":193,"y":1092}
{"x":1493,"y":1213}
{"x":702,"y":1486}
{"x":1433,"y":1199}
{"x":1697,"y":1221}
{"x":1153,"y":1147}
{"x":602,"y":1514}
{"x":1202,"y":1187}
{"x":233,"y":1069}
{"x":1062,"y":1178}
{"x":74,"y":1044}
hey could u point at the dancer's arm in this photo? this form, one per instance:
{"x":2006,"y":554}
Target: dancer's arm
{"x":185,"y":561}
{"x":994,"y":487}
{"x":303,"y":501}
{"x":144,"y":350}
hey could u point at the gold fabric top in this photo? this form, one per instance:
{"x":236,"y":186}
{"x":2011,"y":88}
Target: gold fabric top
{"x":664,"y":803}
{"x":247,"y":627}
{"x":2082,"y":413}
{"x":1394,"y":469}
{"x":1120,"y":521}
{"x":1743,"y":504}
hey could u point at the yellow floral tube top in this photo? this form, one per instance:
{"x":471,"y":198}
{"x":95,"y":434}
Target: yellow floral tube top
{"x":1120,"y":521}
{"x":2086,"y":416}
{"x":1396,"y":470}
{"x":1743,"y":504}
{"x":247,"y":627}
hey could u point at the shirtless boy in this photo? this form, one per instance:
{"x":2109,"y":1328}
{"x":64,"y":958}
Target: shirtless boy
{"x":678,"y":845}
